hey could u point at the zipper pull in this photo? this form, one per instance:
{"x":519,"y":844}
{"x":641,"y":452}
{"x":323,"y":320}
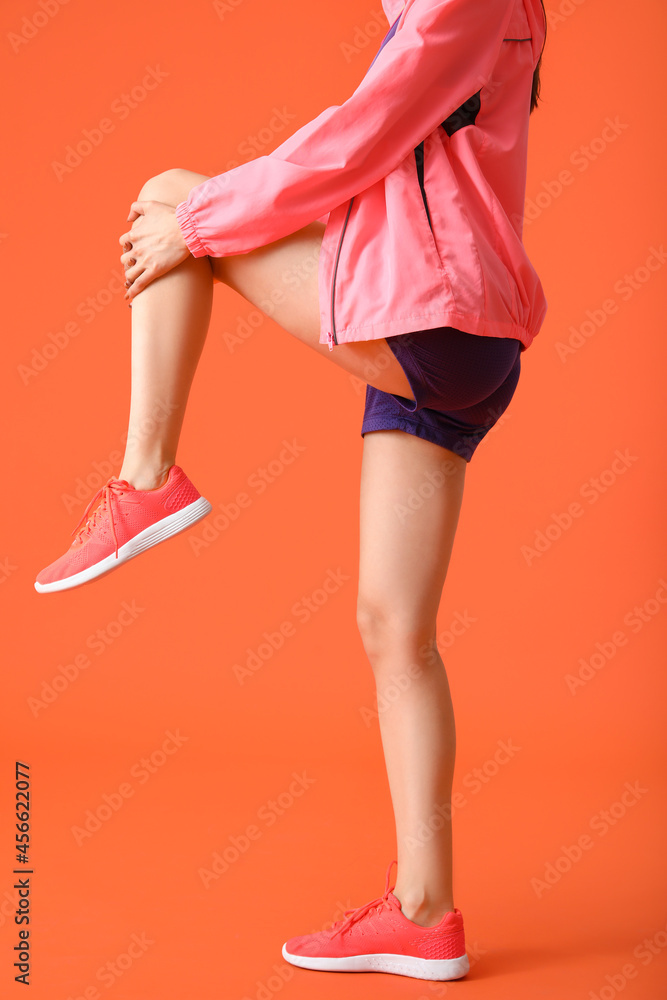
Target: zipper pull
{"x":330,"y":339}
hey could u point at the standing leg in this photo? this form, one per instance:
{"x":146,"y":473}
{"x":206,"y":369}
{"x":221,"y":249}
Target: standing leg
{"x":403,"y":564}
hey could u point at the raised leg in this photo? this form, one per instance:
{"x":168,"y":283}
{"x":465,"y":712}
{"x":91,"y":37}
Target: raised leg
{"x":170,"y":320}
{"x":403,"y":564}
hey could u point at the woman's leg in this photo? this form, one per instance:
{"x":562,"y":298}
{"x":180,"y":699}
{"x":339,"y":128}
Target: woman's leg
{"x":170,"y":320}
{"x":403,"y":564}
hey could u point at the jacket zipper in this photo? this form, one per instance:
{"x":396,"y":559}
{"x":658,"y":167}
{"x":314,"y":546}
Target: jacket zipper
{"x":332,"y":332}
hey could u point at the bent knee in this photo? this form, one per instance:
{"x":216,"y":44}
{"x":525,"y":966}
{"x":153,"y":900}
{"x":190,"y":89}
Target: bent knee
{"x":170,"y":186}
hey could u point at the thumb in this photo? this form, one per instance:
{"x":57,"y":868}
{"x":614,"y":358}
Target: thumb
{"x":136,"y":209}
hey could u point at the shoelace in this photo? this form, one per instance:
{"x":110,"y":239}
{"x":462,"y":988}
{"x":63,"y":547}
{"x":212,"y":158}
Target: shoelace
{"x":361,"y":911}
{"x":113,"y":488}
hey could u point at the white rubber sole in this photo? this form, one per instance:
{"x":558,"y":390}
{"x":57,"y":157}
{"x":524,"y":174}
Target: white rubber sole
{"x":401,"y":965}
{"x":150,"y":536}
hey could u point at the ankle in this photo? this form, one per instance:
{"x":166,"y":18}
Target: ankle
{"x":144,"y":475}
{"x":423,"y":911}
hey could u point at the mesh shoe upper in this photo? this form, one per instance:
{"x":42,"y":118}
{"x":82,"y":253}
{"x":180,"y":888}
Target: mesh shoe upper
{"x":116,"y":514}
{"x":380,"y":926}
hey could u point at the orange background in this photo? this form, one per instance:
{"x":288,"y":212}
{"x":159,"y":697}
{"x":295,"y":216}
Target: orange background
{"x":170,"y":668}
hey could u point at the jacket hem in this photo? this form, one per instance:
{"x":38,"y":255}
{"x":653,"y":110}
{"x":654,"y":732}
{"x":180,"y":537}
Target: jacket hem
{"x":190,"y":235}
{"x":430,"y":321}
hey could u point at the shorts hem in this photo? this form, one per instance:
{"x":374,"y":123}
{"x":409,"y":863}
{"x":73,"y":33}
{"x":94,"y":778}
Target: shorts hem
{"x":461,"y":448}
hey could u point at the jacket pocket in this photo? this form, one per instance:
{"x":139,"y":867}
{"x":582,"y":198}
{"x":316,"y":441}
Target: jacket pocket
{"x":419,"y":161}
{"x":429,"y":234}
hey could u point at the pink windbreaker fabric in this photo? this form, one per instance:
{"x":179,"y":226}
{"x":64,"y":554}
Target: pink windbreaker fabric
{"x":384,"y":269}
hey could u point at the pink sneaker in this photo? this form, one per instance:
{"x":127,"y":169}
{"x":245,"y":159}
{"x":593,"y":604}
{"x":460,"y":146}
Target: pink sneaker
{"x":378,"y":937}
{"x":124,"y":523}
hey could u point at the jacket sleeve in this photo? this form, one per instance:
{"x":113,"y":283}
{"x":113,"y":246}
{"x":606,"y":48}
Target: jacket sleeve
{"x":441,"y":55}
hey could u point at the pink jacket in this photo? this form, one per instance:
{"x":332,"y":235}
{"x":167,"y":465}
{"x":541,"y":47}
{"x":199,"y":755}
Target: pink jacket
{"x":422,"y":172}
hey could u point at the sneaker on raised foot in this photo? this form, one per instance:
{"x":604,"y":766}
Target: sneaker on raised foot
{"x":378,"y":937}
{"x":119,"y":523}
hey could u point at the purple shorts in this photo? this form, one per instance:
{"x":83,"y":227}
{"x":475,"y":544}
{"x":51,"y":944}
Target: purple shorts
{"x":462,"y":384}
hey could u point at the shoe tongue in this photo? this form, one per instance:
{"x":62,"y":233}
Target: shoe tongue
{"x":395,"y":900}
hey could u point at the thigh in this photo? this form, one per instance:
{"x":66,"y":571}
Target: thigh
{"x":405,"y":547}
{"x":281,"y":279}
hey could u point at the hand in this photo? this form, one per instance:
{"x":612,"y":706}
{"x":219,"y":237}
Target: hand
{"x":152,"y":246}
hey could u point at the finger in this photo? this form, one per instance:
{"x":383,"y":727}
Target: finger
{"x":134,"y":289}
{"x":130,"y":257}
{"x":132,"y":273}
{"x":127,"y":238}
{"x":139,"y":283}
{"x":136,"y":208}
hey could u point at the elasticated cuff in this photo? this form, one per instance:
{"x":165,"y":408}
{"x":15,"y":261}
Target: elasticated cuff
{"x":190,"y":235}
